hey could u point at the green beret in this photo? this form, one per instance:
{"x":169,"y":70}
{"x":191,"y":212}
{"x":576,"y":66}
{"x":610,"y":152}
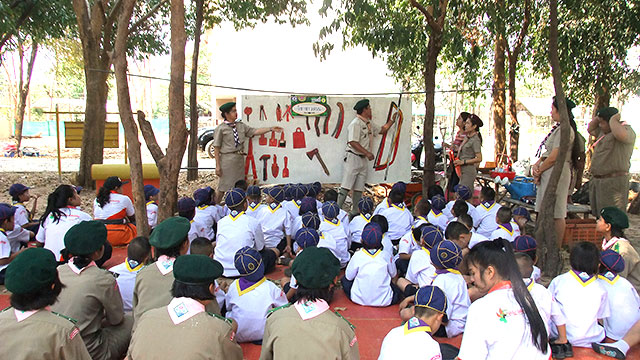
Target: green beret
{"x":169,"y":233}
{"x":32,"y":270}
{"x":227,"y":107}
{"x":607,"y":112}
{"x":315,"y":268}
{"x":86,"y":237}
{"x":361,"y":104}
{"x":616,"y":217}
{"x":196,"y":269}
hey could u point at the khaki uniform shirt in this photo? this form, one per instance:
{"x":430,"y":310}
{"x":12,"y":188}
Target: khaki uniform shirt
{"x":610,"y":155}
{"x":90,"y":297}
{"x":327,"y":336}
{"x":54,"y":337}
{"x":359,"y":132}
{"x":470,"y":147}
{"x":223,"y":137}
{"x":203,"y":336}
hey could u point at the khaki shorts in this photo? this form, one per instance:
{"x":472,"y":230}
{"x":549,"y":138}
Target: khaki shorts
{"x":355,"y":172}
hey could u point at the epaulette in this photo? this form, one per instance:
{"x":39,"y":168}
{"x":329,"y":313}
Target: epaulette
{"x":278,"y":308}
{"x":228,"y":321}
{"x":114,"y":274}
{"x":343,"y":318}
{"x":5,"y":309}
{"x":74,"y":321}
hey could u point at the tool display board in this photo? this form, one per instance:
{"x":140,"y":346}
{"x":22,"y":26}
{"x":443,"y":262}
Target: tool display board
{"x":332,"y":150}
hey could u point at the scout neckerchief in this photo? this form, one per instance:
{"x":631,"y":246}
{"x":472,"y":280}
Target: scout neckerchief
{"x":23,"y":315}
{"x":416,"y":325}
{"x":15,"y":203}
{"x":297,"y":203}
{"x":183,"y":308}
{"x":235,"y":214}
{"x":203,"y":206}
{"x":529,"y":283}
{"x":446,"y":271}
{"x":369,"y":131}
{"x":236,"y":137}
{"x":165,"y":264}
{"x":334,"y":222}
{"x":583,"y":278}
{"x":310,"y":309}
{"x":133,"y":265}
{"x":542,"y":144}
{"x":612,"y":244}
{"x":421,"y":218}
{"x":487,"y":205}
{"x":366,"y":217}
{"x":399,"y":206}
{"x":254,"y":206}
{"x":372,"y":252}
{"x":151,"y":202}
{"x":274,"y":207}
{"x":76,"y":270}
{"x":3,"y":231}
{"x":244,"y":286}
{"x":427,"y":251}
{"x":501,"y":285}
{"x":506,"y":227}
{"x":436,"y":213}
{"x":609,"y":277}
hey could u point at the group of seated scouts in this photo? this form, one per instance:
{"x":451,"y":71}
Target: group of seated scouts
{"x":454,"y":268}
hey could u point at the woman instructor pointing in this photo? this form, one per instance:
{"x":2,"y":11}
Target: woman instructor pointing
{"x":229,"y":150}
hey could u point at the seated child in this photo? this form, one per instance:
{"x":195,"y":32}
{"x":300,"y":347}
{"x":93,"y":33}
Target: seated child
{"x":460,"y":207}
{"x":387,"y":246}
{"x":365,"y":206}
{"x":436,"y":216}
{"x":207,"y":214}
{"x":276,"y":223}
{"x":7,"y":223}
{"x":337,"y":230}
{"x":298,"y":192}
{"x":386,"y":203}
{"x":202,"y":246}
{"x":367,"y":279}
{"x":521,"y":216}
{"x":420,"y":212}
{"x":254,"y":201}
{"x":399,"y":217}
{"x":307,"y":205}
{"x":486,"y":212}
{"x":582,"y":299}
{"x":527,"y":244}
{"x":409,"y":243}
{"x":24,"y":228}
{"x":250,"y":297}
{"x":314,"y":191}
{"x":421,"y":271}
{"x":475,"y":237}
{"x":138,"y":254}
{"x":151,"y":196}
{"x":505,"y":228}
{"x":413,"y":340}
{"x":187,"y":209}
{"x":622,"y":296}
{"x":463,"y":193}
{"x":460,"y":235}
{"x":445,"y":257}
{"x":305,"y":238}
{"x":343,"y":216}
{"x":612,"y":223}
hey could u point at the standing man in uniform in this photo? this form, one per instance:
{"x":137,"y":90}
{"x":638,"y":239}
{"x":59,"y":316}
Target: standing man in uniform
{"x":228,"y":144}
{"x":611,"y":160}
{"x":358,"y":154}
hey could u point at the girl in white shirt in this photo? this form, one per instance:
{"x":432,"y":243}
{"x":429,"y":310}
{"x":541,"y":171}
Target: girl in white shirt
{"x":115,"y":211}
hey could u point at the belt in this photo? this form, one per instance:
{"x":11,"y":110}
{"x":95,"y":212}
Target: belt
{"x":113,"y":221}
{"x":610,"y":175}
{"x":239,"y":152}
{"x":362,"y":156}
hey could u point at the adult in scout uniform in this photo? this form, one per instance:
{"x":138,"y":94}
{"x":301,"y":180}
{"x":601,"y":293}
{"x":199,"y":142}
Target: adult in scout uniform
{"x":229,"y":147}
{"x":308,"y":326}
{"x":470,"y":153}
{"x":610,"y":162}
{"x":183,"y":329}
{"x":358,"y":153}
{"x":153,"y":282}
{"x":32,"y":279}
{"x":91,"y":295}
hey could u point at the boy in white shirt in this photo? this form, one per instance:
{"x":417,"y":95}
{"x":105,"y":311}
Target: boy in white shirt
{"x":399,"y":217}
{"x":421,"y":271}
{"x":446,"y":257}
{"x":276,"y":223}
{"x":367,"y":279}
{"x":413,"y":339}
{"x":365,"y":207}
{"x":151,"y":196}
{"x":254,"y":200}
{"x":6,"y":224}
{"x":436,"y":216}
{"x":521,"y":216}
{"x":238,"y":230}
{"x":506,"y":228}
{"x":307,"y":205}
{"x":207,"y":214}
{"x":475,"y":237}
{"x":138,"y":254}
{"x":250,"y":297}
{"x":420,"y":212}
{"x":298,"y":192}
{"x":25,"y":228}
{"x":187,"y":209}
{"x":343,"y":216}
{"x":337,"y":230}
{"x":462,"y":193}
{"x":486,"y":212}
{"x":409,"y":243}
{"x":202,"y":246}
{"x":386,"y":203}
{"x":305,"y":238}
{"x":527,"y":244}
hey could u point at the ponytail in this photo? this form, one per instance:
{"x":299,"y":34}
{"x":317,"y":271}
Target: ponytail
{"x":499,"y":254}
{"x":103,"y":196}
{"x":58,"y":199}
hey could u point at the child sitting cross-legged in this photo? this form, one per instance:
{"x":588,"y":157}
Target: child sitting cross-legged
{"x":365,"y":207}
{"x":307,"y":205}
{"x":506,"y":228}
{"x":207,"y":212}
{"x":399,"y":217}
{"x":521,"y":216}
{"x":337,"y":229}
{"x":305,"y":238}
{"x":276,"y":223}
{"x":138,"y":254}
{"x":254,"y":201}
{"x":367,"y":280}
{"x":421,"y":271}
{"x":527,"y":244}
{"x":250,"y":297}
{"x":436,"y":216}
{"x":202,"y":246}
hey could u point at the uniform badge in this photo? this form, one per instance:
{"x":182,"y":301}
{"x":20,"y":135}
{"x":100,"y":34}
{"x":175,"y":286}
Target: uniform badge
{"x":74,"y":333}
{"x":180,"y":310}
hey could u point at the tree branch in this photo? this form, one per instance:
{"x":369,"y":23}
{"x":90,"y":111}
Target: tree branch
{"x":430,"y":20}
{"x":524,"y":29}
{"x":113,"y":13}
{"x":146,"y":16}
{"x":150,"y":137}
{"x":23,"y":17}
{"x":443,"y":12}
{"x":81,"y":9}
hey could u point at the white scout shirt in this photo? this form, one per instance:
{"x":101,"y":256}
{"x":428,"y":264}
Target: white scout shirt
{"x":583,"y":300}
{"x":205,"y":218}
{"x":536,"y":274}
{"x":497,"y":329}
{"x":338,"y":231}
{"x":454,"y":287}
{"x":248,"y":304}
{"x":471,"y":210}
{"x":419,"y":220}
{"x":486,"y":213}
{"x":118,"y":207}
{"x":292,"y":207}
{"x":381,"y":206}
{"x":421,"y":271}
{"x":371,"y":274}
{"x":400,"y":220}
{"x":276,"y":224}
{"x":254,"y":209}
{"x":235,"y":232}
{"x":625,"y":303}
{"x":547,"y":307}
{"x":410,"y":341}
{"x":343,"y":216}
{"x":5,"y":248}
{"x":126,"y":281}
{"x":51,"y":233}
{"x":19,"y":234}
{"x":296,"y":224}
{"x":356,"y":226}
{"x":476,"y":238}
{"x":152,"y":214}
{"x":194,"y":231}
{"x":505,"y":231}
{"x":408,"y":244}
{"x":328,"y":242}
{"x":440,"y":220}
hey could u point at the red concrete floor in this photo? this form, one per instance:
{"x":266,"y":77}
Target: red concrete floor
{"x":372,"y":324}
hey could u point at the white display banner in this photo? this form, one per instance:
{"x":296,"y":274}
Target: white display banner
{"x":332,"y":150}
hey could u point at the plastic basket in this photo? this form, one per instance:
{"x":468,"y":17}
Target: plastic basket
{"x":581,"y":230}
{"x":521,"y":187}
{"x":507,"y":174}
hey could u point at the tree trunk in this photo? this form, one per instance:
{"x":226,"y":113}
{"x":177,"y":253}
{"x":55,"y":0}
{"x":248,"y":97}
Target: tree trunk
{"x":126,"y":117}
{"x":192,"y":153}
{"x":549,"y":253}
{"x":514,"y":132}
{"x":601,"y":99}
{"x":499,"y":98}
{"x":433,"y":49}
{"x":23,"y":90}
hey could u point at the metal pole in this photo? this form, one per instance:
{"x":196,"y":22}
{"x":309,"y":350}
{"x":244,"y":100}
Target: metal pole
{"x":58,"y":144}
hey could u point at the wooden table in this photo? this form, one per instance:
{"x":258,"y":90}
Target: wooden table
{"x":585,"y":210}
{"x":486,"y":180}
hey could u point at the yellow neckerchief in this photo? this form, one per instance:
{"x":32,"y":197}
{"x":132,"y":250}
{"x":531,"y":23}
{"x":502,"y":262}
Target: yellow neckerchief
{"x":422,"y":218}
{"x":401,"y":208}
{"x":234,"y":218}
{"x":365,"y":218}
{"x":436,"y":215}
{"x":3,"y":231}
{"x":415,"y":325}
{"x":252,"y":287}
{"x":426,"y":250}
{"x":150,"y":202}
{"x":330,"y":222}
{"x":253,"y":208}
{"x":126,"y":262}
{"x":202,"y":207}
{"x":582,"y":282}
{"x":372,"y":255}
{"x":488,"y":208}
{"x":505,"y":229}
{"x":295,"y":202}
{"x":274,"y":209}
{"x":191,"y":221}
{"x":530,"y":285}
{"x":606,"y":278}
{"x":30,"y":218}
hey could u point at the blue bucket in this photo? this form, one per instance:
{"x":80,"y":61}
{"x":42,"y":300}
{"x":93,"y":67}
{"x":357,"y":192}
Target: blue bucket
{"x":520,"y":187}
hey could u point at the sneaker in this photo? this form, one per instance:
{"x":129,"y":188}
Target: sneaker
{"x":557,"y":351}
{"x":568,"y":350}
{"x":607,"y":350}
